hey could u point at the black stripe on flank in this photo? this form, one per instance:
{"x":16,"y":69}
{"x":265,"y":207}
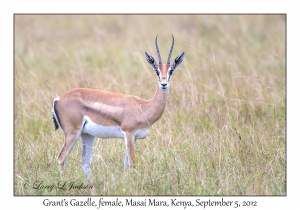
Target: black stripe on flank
{"x":102,"y":114}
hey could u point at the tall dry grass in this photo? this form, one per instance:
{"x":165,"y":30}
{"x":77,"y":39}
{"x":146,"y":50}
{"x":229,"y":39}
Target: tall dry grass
{"x":223,"y":131}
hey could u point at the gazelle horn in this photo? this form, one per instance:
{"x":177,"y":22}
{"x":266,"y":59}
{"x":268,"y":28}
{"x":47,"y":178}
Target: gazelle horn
{"x":171,"y":50}
{"x":158,"y":53}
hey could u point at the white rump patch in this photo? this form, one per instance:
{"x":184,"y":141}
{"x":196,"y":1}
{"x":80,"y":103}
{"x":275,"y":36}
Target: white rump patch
{"x":53,"y":112}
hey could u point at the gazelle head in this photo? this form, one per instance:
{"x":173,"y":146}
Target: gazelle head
{"x":164,"y":71}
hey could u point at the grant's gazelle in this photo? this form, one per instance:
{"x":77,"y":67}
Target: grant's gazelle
{"x":88,"y":113}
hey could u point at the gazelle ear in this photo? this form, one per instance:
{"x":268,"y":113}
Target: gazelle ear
{"x":177,"y":61}
{"x":153,"y":63}
{"x":151,"y":60}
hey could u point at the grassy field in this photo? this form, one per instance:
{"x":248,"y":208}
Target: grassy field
{"x":224,"y":128}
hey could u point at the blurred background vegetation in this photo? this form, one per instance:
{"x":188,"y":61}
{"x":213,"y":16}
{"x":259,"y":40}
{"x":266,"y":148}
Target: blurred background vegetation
{"x":224,"y":128}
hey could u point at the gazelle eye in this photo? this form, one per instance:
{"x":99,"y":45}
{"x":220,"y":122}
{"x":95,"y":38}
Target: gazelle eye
{"x":171,"y":72}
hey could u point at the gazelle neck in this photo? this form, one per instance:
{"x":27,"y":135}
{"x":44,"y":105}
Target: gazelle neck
{"x":156,"y":106}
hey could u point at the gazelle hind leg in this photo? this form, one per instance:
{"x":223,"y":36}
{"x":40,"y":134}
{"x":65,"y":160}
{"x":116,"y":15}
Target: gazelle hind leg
{"x":87,"y":150}
{"x":126,"y":159}
{"x":70,"y":140}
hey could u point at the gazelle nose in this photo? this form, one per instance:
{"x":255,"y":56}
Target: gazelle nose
{"x":163,"y":84}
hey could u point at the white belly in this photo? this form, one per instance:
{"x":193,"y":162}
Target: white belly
{"x":101,"y":131}
{"x":142,"y":133}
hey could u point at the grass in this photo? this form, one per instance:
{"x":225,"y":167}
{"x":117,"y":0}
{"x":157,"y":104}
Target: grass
{"x":224,"y":128}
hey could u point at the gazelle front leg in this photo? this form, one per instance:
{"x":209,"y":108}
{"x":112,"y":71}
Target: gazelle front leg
{"x":129,"y":152}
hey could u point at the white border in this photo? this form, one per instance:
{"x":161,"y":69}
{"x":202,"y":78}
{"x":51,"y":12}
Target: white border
{"x":8,"y":8}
